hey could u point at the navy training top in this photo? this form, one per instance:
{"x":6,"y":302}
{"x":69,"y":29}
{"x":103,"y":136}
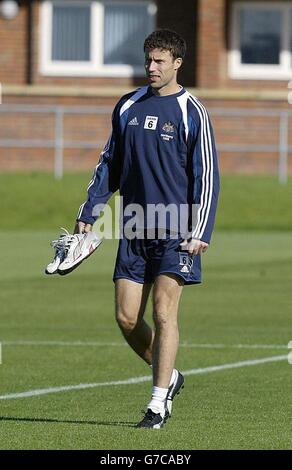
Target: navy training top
{"x":161,"y":151}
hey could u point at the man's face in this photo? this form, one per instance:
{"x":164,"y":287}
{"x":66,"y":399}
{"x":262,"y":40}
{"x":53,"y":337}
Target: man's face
{"x":161,"y":68}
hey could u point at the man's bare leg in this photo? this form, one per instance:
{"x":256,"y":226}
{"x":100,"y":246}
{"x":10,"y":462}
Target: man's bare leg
{"x":159,"y":349}
{"x":167,"y":290}
{"x":131,"y":300}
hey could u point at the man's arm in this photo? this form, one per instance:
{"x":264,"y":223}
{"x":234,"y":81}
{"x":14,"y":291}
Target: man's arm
{"x":105,"y":180}
{"x":205,"y":177}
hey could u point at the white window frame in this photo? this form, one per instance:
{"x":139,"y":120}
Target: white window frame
{"x":236,"y":69}
{"x":94,"y":67}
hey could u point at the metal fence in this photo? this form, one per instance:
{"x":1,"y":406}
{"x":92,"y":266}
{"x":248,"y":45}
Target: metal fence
{"x":230,"y":142}
{"x":280,"y":129}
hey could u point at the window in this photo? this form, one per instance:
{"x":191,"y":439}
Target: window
{"x":71,"y":33}
{"x":261,"y":40}
{"x":94,"y":38}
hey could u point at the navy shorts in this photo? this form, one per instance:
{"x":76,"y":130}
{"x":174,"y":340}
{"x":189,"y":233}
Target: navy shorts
{"x":143,"y":260}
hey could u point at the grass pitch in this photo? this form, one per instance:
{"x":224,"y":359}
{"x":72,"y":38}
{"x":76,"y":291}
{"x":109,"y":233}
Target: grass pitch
{"x":60,"y":331}
{"x":240,"y":313}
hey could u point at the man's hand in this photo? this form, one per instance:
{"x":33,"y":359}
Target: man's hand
{"x":82,"y":227}
{"x":194,"y":247}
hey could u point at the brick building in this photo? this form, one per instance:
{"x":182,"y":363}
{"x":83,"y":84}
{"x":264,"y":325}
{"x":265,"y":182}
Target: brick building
{"x":88,"y":53}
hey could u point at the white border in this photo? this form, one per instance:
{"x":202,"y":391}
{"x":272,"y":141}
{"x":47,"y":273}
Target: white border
{"x":93,"y":68}
{"x":237,"y":70}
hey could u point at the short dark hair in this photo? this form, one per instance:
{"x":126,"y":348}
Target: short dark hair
{"x":168,"y":40}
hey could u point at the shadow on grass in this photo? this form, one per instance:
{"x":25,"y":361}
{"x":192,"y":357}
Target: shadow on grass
{"x":128,"y":424}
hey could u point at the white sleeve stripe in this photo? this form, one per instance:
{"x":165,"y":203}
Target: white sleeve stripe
{"x":92,"y":181}
{"x":89,"y":186}
{"x":182,"y":101}
{"x":207,"y":179}
{"x":211,"y":181}
{"x":105,"y":149}
{"x":206,"y":183}
{"x":196,"y":232}
{"x":210,"y":174}
{"x":80,"y":210}
{"x":142,"y":91}
{"x":207,"y":176}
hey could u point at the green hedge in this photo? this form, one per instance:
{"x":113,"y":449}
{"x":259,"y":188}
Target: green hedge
{"x":37,"y":201}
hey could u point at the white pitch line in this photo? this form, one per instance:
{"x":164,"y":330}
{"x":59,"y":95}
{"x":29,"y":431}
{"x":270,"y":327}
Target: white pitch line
{"x":136,"y":380}
{"x":61,"y":343}
{"x":233,"y":346}
{"x":118,"y":344}
{"x":236,"y":365}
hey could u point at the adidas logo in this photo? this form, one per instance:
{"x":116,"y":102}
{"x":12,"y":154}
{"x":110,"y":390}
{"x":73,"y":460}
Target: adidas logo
{"x":134,"y":122}
{"x":185,"y":269}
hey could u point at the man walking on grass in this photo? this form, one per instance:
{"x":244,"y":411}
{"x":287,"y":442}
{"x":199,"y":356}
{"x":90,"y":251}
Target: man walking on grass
{"x":161,"y":154}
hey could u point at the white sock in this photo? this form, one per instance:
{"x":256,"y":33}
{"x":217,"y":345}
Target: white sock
{"x":157,"y":402}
